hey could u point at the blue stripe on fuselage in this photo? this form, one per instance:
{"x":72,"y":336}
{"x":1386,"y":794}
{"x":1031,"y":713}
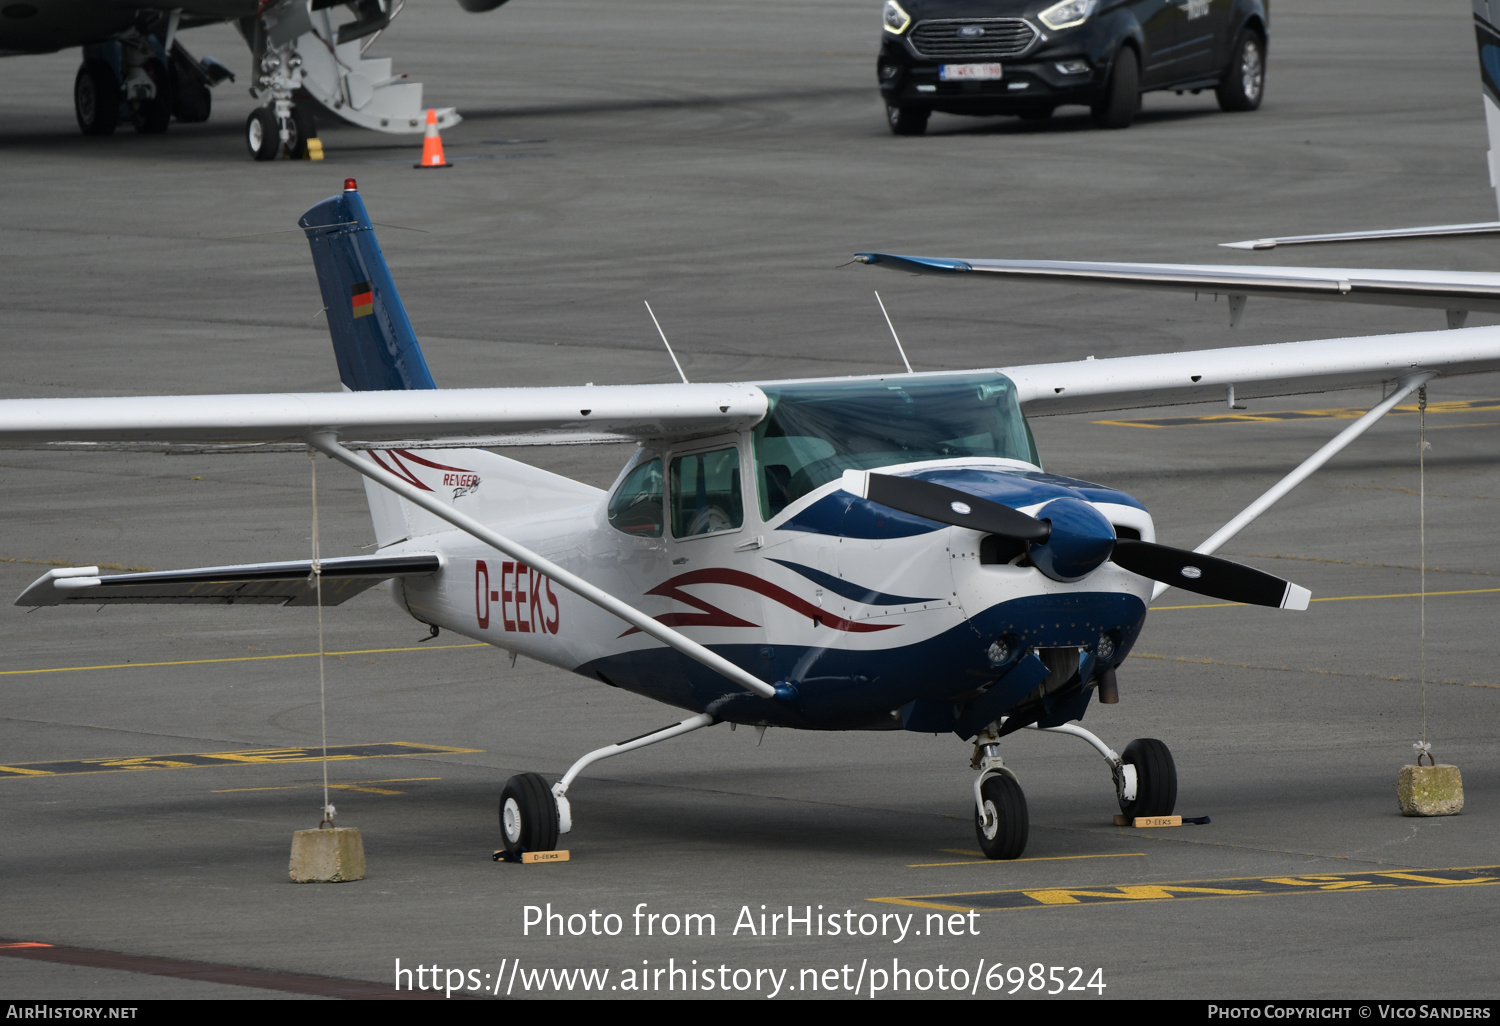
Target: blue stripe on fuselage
{"x":847,"y":516}
{"x":844,"y":689}
{"x":849,"y":589}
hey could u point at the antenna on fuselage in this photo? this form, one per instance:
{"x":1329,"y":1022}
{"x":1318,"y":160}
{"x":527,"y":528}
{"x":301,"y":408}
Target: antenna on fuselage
{"x":899,"y":348}
{"x":664,"y":342}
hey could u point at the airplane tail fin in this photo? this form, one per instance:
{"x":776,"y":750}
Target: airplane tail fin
{"x":377,"y":350}
{"x":372,"y":337}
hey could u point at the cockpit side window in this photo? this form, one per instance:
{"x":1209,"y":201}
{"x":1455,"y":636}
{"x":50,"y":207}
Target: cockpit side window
{"x":636,"y":507}
{"x":706,"y":496}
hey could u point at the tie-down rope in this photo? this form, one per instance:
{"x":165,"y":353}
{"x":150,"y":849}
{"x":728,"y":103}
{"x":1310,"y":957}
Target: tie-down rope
{"x":317,"y":576}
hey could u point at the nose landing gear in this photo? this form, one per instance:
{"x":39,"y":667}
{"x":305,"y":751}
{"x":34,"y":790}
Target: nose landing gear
{"x":1145,"y":784}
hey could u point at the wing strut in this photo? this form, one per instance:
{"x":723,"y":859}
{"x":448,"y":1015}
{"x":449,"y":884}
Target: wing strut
{"x":1405,"y":387}
{"x":327,"y":443}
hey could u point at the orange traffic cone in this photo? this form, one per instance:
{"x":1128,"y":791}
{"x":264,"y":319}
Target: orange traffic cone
{"x":432,"y":144}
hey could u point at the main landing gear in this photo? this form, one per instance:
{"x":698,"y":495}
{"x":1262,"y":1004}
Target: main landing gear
{"x":1145,"y":784}
{"x":532,"y":815}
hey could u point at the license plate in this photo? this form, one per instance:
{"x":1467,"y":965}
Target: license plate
{"x":970,"y":72}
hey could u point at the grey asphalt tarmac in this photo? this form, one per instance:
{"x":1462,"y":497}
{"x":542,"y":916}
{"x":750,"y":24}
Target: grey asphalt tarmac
{"x":722,"y":160}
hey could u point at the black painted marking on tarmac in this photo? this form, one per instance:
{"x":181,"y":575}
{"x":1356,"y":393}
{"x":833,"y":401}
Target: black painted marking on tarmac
{"x":244,"y":757}
{"x":211,"y":972}
{"x":1339,"y":413}
{"x":1239,"y":887}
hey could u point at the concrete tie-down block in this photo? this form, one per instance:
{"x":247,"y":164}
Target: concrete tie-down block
{"x":1430,"y":790}
{"x":328,"y":855}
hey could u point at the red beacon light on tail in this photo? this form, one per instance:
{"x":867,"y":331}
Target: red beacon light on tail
{"x":350,"y":185}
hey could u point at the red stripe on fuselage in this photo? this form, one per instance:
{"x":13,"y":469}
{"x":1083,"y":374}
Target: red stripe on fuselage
{"x":713,"y":616}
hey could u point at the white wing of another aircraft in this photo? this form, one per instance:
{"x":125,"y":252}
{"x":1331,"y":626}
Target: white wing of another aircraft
{"x":1457,"y":291}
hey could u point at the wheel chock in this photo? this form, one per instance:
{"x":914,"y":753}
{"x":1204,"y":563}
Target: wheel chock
{"x":532,"y":857}
{"x":1161,"y":821}
{"x":327,"y":855}
{"x":315,"y":148}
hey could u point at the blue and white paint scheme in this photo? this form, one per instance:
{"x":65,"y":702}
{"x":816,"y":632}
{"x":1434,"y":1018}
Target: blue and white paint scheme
{"x":875,"y":553}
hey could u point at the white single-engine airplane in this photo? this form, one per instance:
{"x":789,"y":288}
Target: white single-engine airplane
{"x":858,"y":553}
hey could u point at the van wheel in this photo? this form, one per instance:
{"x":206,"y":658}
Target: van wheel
{"x":1123,"y":94}
{"x":1245,"y":81}
{"x":907,"y":120}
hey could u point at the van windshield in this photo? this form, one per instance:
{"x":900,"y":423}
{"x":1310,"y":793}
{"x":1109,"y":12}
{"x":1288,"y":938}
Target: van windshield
{"x":813,"y":432}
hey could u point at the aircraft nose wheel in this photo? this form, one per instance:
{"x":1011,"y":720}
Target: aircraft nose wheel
{"x":1155,"y":779}
{"x":1003,"y":827}
{"x":262,"y":134}
{"x":528,"y":815}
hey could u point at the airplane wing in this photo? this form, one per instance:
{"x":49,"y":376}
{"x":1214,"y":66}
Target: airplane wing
{"x":386,"y":419}
{"x":481,"y":416}
{"x":284,"y":584}
{"x":1432,"y":231}
{"x":1286,"y":368}
{"x":1438,"y":290}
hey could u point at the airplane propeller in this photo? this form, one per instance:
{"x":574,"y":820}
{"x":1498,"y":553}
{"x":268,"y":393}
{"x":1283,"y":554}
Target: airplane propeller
{"x":1070,"y":539}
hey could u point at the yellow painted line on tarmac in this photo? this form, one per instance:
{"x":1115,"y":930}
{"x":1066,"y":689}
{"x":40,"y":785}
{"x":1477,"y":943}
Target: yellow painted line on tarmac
{"x":1339,"y":598}
{"x":241,"y":757}
{"x":367,"y":786}
{"x":1237,"y":887}
{"x":1337,"y":413}
{"x":243,"y":659}
{"x":1008,"y":862}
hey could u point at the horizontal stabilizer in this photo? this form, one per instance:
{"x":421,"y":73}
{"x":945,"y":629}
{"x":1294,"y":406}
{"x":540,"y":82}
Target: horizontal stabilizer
{"x":287,"y":583}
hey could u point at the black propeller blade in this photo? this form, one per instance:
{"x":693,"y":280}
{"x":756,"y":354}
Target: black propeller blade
{"x":1190,"y":571}
{"x":951,"y":506}
{"x":1208,"y":575}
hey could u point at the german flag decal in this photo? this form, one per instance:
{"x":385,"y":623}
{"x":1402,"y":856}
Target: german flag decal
{"x":364,"y":299}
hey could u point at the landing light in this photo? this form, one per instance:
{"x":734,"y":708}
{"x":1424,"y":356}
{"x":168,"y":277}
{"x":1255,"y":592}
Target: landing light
{"x":1105,"y":650}
{"x":999,"y":652}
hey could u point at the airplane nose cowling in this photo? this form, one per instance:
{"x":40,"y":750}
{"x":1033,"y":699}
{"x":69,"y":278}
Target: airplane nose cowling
{"x":1080,"y":542}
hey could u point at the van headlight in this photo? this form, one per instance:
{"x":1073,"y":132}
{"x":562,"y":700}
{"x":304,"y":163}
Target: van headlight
{"x":1063,"y":15}
{"x":897,"y":20}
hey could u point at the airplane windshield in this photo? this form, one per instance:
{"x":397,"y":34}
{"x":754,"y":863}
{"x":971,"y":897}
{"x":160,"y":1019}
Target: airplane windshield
{"x":814,"y":432}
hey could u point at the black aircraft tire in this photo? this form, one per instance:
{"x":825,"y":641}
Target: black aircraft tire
{"x":1155,"y":779}
{"x":1245,"y":82}
{"x":1122,"y":97}
{"x":528,"y":815}
{"x":191,"y":99}
{"x":262,"y":136}
{"x":907,"y":120}
{"x":96,"y":98}
{"x":1003,"y":799}
{"x":151,"y":117}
